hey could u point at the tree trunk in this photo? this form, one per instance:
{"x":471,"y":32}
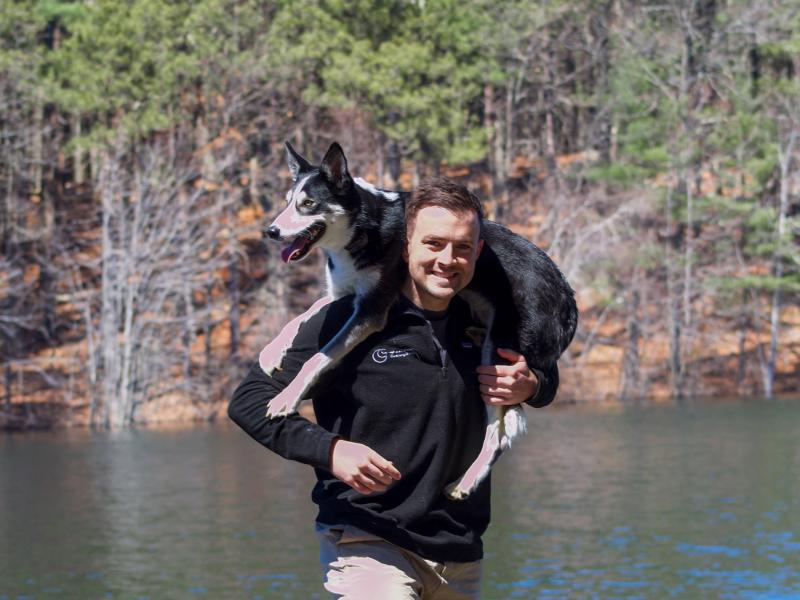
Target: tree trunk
{"x":744,"y":326}
{"x":415,"y":174}
{"x":631,"y":365}
{"x":233,"y":290}
{"x":188,"y":332}
{"x":78,"y":172}
{"x":109,"y":291}
{"x":8,"y":383}
{"x":673,"y":304}
{"x":549,"y":100}
{"x":37,"y":145}
{"x":599,"y":27}
{"x":506,"y":157}
{"x":10,"y":209}
{"x":785,"y":160}
{"x":688,"y":257}
{"x":254,"y":179}
{"x":92,"y":366}
{"x":380,"y":161}
{"x":489,"y":123}
{"x":128,"y":335}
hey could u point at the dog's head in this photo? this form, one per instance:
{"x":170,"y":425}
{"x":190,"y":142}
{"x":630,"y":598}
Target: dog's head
{"x":319,"y":205}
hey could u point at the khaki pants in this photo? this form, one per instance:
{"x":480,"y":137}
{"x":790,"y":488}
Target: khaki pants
{"x":357,"y":565}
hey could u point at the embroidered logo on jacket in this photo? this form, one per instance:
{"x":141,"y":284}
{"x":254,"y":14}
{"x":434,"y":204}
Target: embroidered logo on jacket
{"x":381,"y":355}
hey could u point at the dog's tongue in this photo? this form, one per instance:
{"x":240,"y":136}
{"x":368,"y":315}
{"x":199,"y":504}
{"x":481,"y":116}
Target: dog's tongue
{"x":292,"y":249}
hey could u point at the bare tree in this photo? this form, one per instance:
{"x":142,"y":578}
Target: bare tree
{"x":163,"y":236}
{"x":786,"y":160}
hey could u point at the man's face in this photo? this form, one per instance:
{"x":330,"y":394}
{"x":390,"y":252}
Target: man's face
{"x":441,"y":250}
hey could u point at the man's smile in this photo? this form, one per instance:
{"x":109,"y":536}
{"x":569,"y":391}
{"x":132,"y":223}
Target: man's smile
{"x":447,"y":277}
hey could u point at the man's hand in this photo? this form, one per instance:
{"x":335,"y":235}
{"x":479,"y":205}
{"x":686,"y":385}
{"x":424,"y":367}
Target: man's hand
{"x":506,"y":385}
{"x":361,"y":467}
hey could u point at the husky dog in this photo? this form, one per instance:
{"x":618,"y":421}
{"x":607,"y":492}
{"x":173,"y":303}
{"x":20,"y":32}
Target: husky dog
{"x":517,"y":291}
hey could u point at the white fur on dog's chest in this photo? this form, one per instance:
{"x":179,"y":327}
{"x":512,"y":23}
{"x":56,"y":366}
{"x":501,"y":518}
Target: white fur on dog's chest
{"x":346,"y":279}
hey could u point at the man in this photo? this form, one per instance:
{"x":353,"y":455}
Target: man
{"x":401,"y":417}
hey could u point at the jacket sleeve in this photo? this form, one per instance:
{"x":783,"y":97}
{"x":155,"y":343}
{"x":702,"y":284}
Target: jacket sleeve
{"x":548,"y":386}
{"x":293,"y":437}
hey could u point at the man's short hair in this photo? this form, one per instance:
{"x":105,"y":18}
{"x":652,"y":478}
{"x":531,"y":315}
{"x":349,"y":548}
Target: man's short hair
{"x":444,"y":192}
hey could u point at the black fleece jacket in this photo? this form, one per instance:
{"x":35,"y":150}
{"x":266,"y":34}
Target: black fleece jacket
{"x":405,"y":398}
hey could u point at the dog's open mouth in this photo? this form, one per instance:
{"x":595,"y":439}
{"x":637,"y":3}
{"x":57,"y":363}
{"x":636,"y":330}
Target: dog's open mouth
{"x":302,"y":244}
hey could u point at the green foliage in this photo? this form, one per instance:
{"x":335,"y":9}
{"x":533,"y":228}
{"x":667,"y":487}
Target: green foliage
{"x":765,"y":283}
{"x":21,"y":55}
{"x":619,"y":173}
{"x":415,"y":71}
{"x":63,"y":13}
{"x":124,"y":60}
{"x":144,"y":65}
{"x":19,"y":26}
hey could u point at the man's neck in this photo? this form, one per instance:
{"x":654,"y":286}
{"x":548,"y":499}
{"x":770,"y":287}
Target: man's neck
{"x":424,"y":302}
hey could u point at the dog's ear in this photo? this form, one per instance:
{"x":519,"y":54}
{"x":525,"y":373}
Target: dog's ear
{"x":297,"y":164}
{"x":334,"y":168}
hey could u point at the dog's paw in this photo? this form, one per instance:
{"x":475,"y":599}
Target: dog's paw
{"x":279,"y":412}
{"x":281,"y":405}
{"x":514,"y":426}
{"x":454,"y":492}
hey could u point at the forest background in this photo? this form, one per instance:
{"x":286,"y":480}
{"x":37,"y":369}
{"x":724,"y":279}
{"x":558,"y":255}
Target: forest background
{"x":651,"y":147}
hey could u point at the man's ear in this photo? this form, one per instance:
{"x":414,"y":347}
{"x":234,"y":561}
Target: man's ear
{"x":334,"y":168}
{"x":297,"y":164}
{"x":480,"y":247}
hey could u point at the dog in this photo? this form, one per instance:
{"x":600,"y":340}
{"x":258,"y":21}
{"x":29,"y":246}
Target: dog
{"x":517,"y":291}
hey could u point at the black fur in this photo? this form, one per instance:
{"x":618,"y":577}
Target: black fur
{"x":516,"y":291}
{"x":535,"y":310}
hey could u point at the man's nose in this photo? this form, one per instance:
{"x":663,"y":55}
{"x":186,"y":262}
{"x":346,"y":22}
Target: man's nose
{"x":446,"y":256}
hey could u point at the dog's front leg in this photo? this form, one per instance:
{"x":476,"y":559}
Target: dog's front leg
{"x":355,"y":331}
{"x":271,"y":357}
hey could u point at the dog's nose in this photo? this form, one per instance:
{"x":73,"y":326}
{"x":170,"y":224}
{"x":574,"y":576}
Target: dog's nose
{"x":273,"y":232}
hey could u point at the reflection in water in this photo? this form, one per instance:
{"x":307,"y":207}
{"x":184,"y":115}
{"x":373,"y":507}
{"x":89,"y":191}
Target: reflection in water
{"x":652,"y":503}
{"x":694,"y":501}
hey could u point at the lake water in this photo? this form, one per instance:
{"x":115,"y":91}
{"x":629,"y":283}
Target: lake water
{"x":692,"y":501}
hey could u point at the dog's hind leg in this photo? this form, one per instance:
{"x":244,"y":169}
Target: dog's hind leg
{"x":271,"y":357}
{"x":506,"y":423}
{"x":358,"y":327}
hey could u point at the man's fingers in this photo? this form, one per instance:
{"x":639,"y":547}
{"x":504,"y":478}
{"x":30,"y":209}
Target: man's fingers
{"x":511,"y":355}
{"x":392,"y":471}
{"x":516,"y":359}
{"x":376,"y":473}
{"x":360,"y":488}
{"x":384,"y":465}
{"x":500,"y":392}
{"x":500,"y":382}
{"x":369,"y":483}
{"x":501,"y":370}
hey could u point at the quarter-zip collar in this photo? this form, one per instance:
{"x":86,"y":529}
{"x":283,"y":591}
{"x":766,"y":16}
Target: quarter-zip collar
{"x":404,"y":306}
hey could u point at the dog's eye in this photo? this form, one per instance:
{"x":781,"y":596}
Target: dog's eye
{"x":307,"y":203}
